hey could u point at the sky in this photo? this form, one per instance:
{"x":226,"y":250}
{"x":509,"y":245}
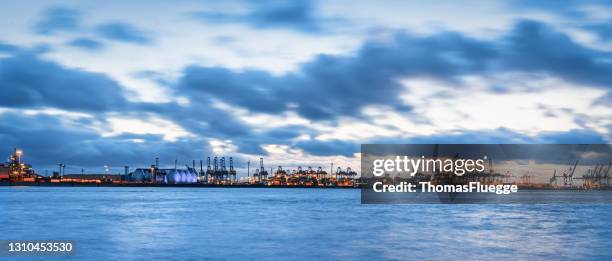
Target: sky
{"x":300,"y":83}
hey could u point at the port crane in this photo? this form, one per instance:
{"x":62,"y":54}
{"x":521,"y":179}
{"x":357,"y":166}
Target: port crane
{"x":209,"y":171}
{"x":232,"y":171}
{"x":601,"y":177}
{"x":223,"y":170}
{"x":568,"y":178}
{"x":553,"y":179}
{"x":526,"y":178}
{"x":216,"y":168}
{"x":606,"y":176}
{"x":592,"y":177}
{"x":340,"y":174}
{"x":263,"y":174}
{"x":350,"y":173}
{"x":320,"y":173}
{"x":596,"y":177}
{"x":62,"y":169}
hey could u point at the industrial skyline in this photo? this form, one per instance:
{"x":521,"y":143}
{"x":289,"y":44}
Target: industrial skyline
{"x":300,"y":83}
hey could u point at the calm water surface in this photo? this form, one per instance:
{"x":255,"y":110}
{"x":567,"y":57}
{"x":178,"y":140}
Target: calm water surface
{"x":295,"y":224}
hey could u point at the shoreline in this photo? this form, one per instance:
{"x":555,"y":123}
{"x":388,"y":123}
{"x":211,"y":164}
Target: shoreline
{"x":195,"y":185}
{"x":200,"y":185}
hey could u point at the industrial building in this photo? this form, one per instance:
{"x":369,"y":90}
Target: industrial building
{"x":16,"y":169}
{"x":166,"y":176}
{"x":219,"y":171}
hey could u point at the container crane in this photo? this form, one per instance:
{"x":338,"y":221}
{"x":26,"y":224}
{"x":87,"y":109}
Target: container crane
{"x":232,"y":171}
{"x":209,"y":171}
{"x":263,"y":174}
{"x":568,"y":179}
{"x":553,"y":179}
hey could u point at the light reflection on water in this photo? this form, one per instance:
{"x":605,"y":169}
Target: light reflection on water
{"x":303,"y":224}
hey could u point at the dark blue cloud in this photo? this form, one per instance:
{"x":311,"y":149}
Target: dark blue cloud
{"x":575,"y":11}
{"x":86,"y":44}
{"x":8,"y":48}
{"x":296,"y":15}
{"x":204,"y":120}
{"x":27,"y":81}
{"x":249,"y":88}
{"x":47,"y":141}
{"x":250,"y":146}
{"x":331,"y":86}
{"x":603,"y":30}
{"x":67,"y":19}
{"x":535,"y":47}
{"x":58,"y":19}
{"x":123,"y":32}
{"x":329,"y":148}
{"x":287,"y":132}
{"x":577,"y":136}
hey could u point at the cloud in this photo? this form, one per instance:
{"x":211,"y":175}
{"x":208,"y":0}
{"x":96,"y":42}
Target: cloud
{"x":8,"y":48}
{"x":530,"y":48}
{"x":573,"y":9}
{"x":123,"y":32}
{"x":329,"y":148}
{"x":605,"y":100}
{"x":296,"y":15}
{"x":603,"y":30}
{"x":27,"y":81}
{"x":333,"y":85}
{"x":577,"y":136}
{"x":58,"y":19}
{"x":66,"y":19}
{"x":506,"y":136}
{"x":323,"y":90}
{"x":252,"y":89}
{"x":86,"y":44}
{"x":496,"y":136}
{"x":47,"y":140}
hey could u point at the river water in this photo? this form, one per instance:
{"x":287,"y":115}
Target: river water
{"x":294,"y":224}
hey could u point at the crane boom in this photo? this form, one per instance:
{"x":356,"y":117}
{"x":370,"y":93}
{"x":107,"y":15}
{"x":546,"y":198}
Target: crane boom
{"x":574,"y":169}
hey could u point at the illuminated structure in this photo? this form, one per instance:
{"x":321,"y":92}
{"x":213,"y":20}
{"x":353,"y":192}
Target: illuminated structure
{"x":311,"y":177}
{"x":261,"y":175}
{"x":165,"y":176}
{"x":15,"y":169}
